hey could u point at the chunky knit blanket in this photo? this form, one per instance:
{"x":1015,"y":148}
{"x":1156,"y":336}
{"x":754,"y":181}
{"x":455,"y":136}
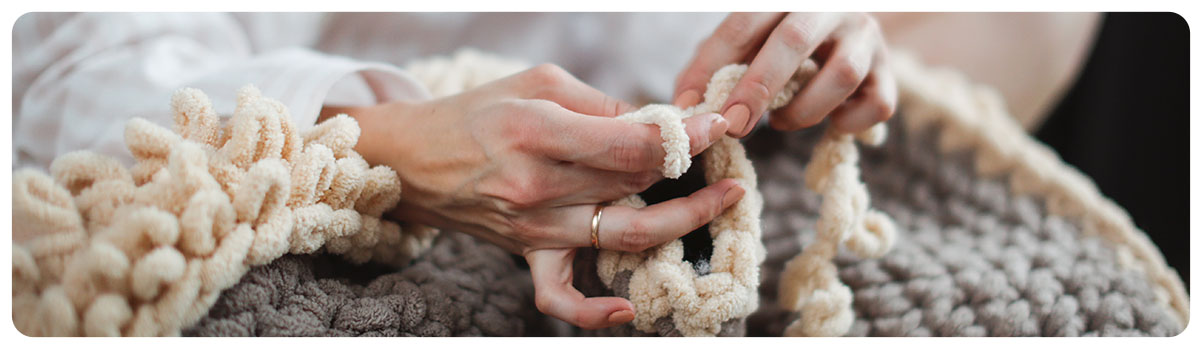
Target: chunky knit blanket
{"x":978,"y":250}
{"x":993,"y":235}
{"x":972,"y":259}
{"x":462,"y":286}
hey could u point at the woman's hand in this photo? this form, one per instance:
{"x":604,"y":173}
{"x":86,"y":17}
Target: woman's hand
{"x":854,"y":85}
{"x":523,"y":162}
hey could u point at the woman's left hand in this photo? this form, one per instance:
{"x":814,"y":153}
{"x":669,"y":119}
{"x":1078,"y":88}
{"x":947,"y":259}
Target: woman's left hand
{"x":854,"y":85}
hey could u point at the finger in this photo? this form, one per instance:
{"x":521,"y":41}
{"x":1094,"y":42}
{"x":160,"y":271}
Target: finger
{"x":732,"y":42}
{"x":610,"y":144}
{"x":875,"y":102}
{"x":840,"y":75}
{"x":780,"y":57}
{"x":591,"y":185}
{"x":630,"y":229}
{"x":555,"y":296}
{"x":555,"y":84}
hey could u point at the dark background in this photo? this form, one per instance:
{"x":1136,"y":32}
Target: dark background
{"x":1125,"y":122}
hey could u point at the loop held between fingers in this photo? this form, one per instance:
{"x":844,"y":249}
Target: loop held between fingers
{"x":617,"y":145}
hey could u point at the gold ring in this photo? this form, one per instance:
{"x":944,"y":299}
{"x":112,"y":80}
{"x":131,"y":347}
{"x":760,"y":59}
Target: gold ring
{"x":596,"y":225}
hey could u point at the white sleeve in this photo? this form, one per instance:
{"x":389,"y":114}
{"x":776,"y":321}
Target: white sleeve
{"x":78,"y":78}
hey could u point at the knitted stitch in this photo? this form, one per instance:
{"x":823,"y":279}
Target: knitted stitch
{"x":975,"y":118}
{"x":462,"y":286}
{"x":911,"y":291}
{"x":972,"y":120}
{"x":973,"y":258}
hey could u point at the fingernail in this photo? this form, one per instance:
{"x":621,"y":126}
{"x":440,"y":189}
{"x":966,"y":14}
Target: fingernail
{"x":718,"y":126}
{"x":737,"y":116}
{"x":732,"y":195}
{"x":687,"y":99}
{"x":622,"y":316}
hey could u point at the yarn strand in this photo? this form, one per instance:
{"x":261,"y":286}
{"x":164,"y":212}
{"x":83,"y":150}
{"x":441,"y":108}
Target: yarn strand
{"x":104,"y":251}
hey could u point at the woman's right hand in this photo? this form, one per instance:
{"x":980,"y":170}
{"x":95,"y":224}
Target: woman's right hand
{"x":524,"y":161}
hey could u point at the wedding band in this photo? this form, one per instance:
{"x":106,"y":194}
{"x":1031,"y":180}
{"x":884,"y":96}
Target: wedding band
{"x":596,"y":225}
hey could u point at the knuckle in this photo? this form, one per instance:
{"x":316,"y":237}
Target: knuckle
{"x":639,"y":182}
{"x":611,"y":106}
{"x":579,"y":320}
{"x":520,"y":123}
{"x":525,"y":193}
{"x":524,"y":230}
{"x":521,"y":136}
{"x":698,"y":216}
{"x":630,"y":154}
{"x":519,"y":201}
{"x":635,"y":237}
{"x":697,"y":143}
{"x":756,"y":89}
{"x":848,"y":74}
{"x":543,"y":302}
{"x":796,"y":35}
{"x":796,"y":117}
{"x":884,"y":111}
{"x":548,"y":75}
{"x":737,"y":30}
{"x":808,"y":120}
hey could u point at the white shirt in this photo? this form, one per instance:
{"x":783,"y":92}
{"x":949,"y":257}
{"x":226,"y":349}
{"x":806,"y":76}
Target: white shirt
{"x":77,"y":78}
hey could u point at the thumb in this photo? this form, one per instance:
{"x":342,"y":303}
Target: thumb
{"x":555,"y":296}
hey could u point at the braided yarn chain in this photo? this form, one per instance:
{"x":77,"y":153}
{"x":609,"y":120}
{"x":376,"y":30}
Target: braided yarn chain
{"x":664,"y":285}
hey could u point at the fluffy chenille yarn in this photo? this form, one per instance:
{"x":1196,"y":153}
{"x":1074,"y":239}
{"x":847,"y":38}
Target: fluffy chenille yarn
{"x":972,"y":256}
{"x":102,"y":250}
{"x":1006,"y":240}
{"x":661,"y":285}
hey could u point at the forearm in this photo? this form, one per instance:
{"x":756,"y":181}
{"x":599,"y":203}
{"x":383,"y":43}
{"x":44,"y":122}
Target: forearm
{"x":95,"y":71}
{"x":380,"y":130}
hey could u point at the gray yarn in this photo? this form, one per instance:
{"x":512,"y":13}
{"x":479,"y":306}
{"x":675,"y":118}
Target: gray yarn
{"x":970,"y":258}
{"x":462,"y":286}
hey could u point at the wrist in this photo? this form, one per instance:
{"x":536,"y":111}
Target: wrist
{"x":378,"y":125}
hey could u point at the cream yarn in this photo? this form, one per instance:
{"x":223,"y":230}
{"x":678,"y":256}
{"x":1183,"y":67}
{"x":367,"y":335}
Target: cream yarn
{"x":669,"y":118}
{"x":809,"y":283}
{"x":664,"y":285}
{"x":145,"y":251}
{"x":103,"y":251}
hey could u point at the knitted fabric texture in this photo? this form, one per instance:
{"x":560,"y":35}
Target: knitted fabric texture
{"x":461,"y":287}
{"x":972,"y":259}
{"x":994,"y":236}
{"x":973,"y":254}
{"x":1002,"y":238}
{"x":975,"y":118}
{"x":101,"y":250}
